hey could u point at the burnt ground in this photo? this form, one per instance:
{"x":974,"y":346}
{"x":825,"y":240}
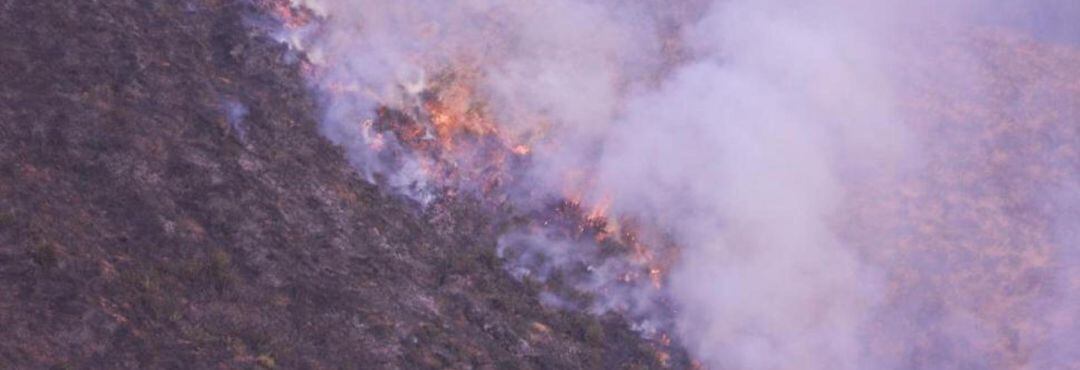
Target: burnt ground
{"x":166,"y":202}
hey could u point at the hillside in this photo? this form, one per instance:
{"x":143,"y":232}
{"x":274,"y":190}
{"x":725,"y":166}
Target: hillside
{"x":166,"y":202}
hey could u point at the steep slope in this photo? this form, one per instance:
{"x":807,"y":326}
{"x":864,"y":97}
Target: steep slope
{"x":166,"y":202}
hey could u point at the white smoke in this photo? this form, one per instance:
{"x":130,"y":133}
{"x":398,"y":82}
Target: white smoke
{"x":559,"y":63}
{"x":737,"y":128}
{"x":738,"y":154}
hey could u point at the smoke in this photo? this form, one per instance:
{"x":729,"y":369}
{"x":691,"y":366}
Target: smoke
{"x":845,"y":180}
{"x":737,"y":155}
{"x":557,"y":66}
{"x":236,"y":112}
{"x":1059,"y":302}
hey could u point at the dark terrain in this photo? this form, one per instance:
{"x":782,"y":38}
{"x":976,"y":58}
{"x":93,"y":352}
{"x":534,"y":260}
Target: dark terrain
{"x":167,"y":202}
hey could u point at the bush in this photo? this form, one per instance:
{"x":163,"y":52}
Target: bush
{"x":45,"y":254}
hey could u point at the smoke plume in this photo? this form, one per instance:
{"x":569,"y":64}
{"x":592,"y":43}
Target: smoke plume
{"x":849,"y":184}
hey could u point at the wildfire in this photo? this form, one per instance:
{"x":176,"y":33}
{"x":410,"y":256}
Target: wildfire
{"x":656,"y":275}
{"x":454,"y":109}
{"x":599,"y":211}
{"x":291,"y":15}
{"x":521,"y":149}
{"x":445,"y":122}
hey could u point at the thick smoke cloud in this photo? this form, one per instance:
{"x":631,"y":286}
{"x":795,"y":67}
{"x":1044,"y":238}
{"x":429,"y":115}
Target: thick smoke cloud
{"x":752,"y":133}
{"x":737,"y":153}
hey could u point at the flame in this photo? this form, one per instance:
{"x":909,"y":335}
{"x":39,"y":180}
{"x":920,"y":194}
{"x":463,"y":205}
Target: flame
{"x":454,"y":111}
{"x":656,"y":274}
{"x":291,"y":15}
{"x":664,"y":357}
{"x":521,"y":149}
{"x":441,"y":118}
{"x":599,"y":211}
